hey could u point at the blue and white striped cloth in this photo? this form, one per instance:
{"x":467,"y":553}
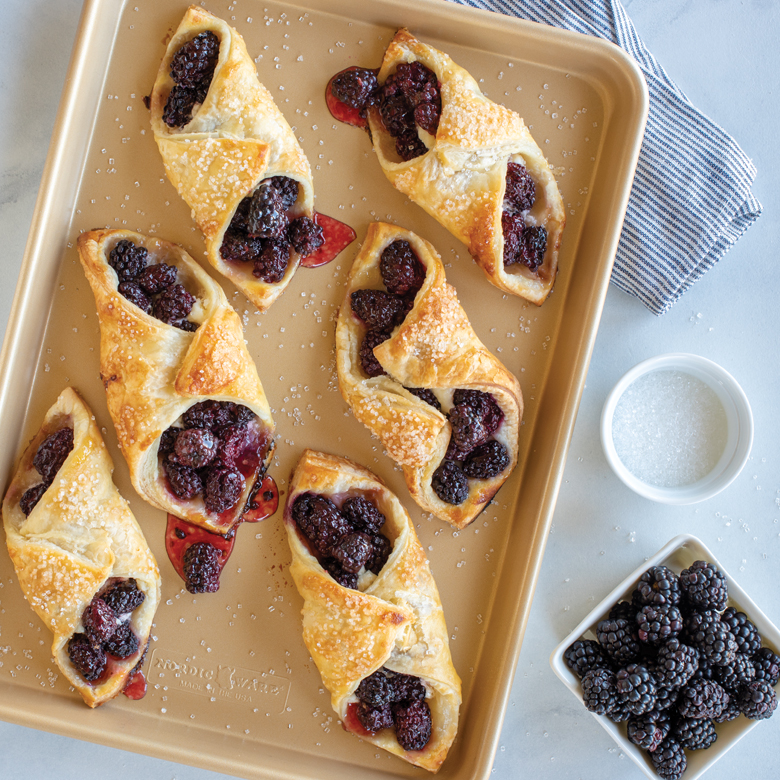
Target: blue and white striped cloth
{"x":691,"y":198}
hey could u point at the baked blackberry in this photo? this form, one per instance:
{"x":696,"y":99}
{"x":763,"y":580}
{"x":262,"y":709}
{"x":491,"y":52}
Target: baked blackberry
{"x":669,"y":759}
{"x":648,"y":730}
{"x":694,"y":734}
{"x":484,"y":403}
{"x":185,"y":483}
{"x":531,"y":247}
{"x":272,"y":262}
{"x":704,"y":586}
{"x":320,"y":520}
{"x":127,"y":259}
{"x":520,"y":193}
{"x":355,"y":87}
{"x":767,"y":665}
{"x":624,"y":610}
{"x":702,"y":699}
{"x":377,"y":309}
{"x":585,"y":654}
{"x":286,"y":188}
{"x":89,"y":660}
{"x":224,"y":486}
{"x":599,"y":691}
{"x":31,"y":497}
{"x":636,"y":687}
{"x":745,"y":633}
{"x":413,"y":724}
{"x":194,"y":62}
{"x":619,"y":639}
{"x":209,"y":414}
{"x":486,"y":460}
{"x":201,"y":568}
{"x":362,"y":514}
{"x":155,"y":278}
{"x":368,"y":361}
{"x":99,"y":621}
{"x":407,"y":687}
{"x":659,"y":585}
{"x":402,"y":272}
{"x":266,"y":217}
{"x":305,"y":235}
{"x":718,"y":646}
{"x":376,"y":689}
{"x":675,"y":664}
{"x":173,"y":304}
{"x":658,"y":623}
{"x":123,"y":643}
{"x":450,"y":483}
{"x":736,"y":674}
{"x":133,"y":293}
{"x":381,"y":549}
{"x":757,"y":700}
{"x":374,"y":719}
{"x":353,"y":551}
{"x":52,"y":453}
{"x":124,"y":597}
{"x":424,"y":394}
{"x":195,"y":447}
{"x":344,"y":578}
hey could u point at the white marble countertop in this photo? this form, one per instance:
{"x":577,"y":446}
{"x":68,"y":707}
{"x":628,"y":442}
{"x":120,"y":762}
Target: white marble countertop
{"x":724,"y":55}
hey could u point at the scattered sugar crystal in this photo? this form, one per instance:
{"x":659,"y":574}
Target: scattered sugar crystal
{"x":669,"y":428}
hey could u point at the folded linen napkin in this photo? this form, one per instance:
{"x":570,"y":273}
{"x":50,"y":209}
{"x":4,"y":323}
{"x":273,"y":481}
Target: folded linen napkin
{"x":691,"y":198}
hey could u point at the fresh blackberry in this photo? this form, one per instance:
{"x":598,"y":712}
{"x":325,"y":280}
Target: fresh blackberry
{"x":666,"y":698}
{"x":123,"y":643}
{"x":599,"y":691}
{"x":745,"y":633}
{"x":377,"y":309}
{"x":185,"y":482}
{"x":196,"y":447}
{"x":718,"y":646}
{"x":52,"y":453}
{"x":413,"y":724}
{"x":286,"y":188}
{"x":89,"y":660}
{"x":173,"y":304}
{"x":99,"y":621}
{"x":363,"y":514}
{"x":648,"y":730}
{"x":757,"y":700}
{"x":368,"y":361}
{"x":730,"y":712}
{"x":659,"y":585}
{"x":381,"y":549}
{"x":424,"y":394}
{"x":305,"y":235}
{"x":696,"y":625}
{"x":344,"y":578}
{"x":704,"y":586}
{"x":484,"y":403}
{"x":658,"y":623}
{"x":374,"y":719}
{"x":736,"y":674}
{"x":585,"y":654}
{"x":124,"y":597}
{"x":702,"y":699}
{"x":266,"y":217}
{"x":155,"y":278}
{"x":376,"y":689}
{"x":619,"y":639}
{"x":272,"y":262}
{"x":450,"y":483}
{"x":352,"y":551}
{"x":620,"y":712}
{"x":355,"y":87}
{"x":201,"y":568}
{"x":767,"y":665}
{"x":127,"y":259}
{"x":486,"y":460}
{"x":705,"y":670}
{"x":637,"y":688}
{"x":320,"y":520}
{"x":624,"y":610}
{"x":31,"y":497}
{"x":224,"y":486}
{"x":694,"y":733}
{"x":468,"y":430}
{"x":133,"y":293}
{"x":194,"y":62}
{"x":402,"y":272}
{"x":669,"y":759}
{"x":520,"y":191}
{"x":675,"y":664}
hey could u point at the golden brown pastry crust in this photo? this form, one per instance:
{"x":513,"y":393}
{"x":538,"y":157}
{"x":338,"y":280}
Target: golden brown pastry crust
{"x":461,"y":180}
{"x":79,"y":535}
{"x":435,"y":348}
{"x":235,"y":139}
{"x":396,"y":621}
{"x":153,"y":372}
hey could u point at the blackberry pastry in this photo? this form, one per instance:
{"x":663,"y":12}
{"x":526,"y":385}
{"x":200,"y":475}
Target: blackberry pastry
{"x":372,"y":616}
{"x":233,"y":158}
{"x":80,"y":556}
{"x":190,"y":413}
{"x":414,"y":372}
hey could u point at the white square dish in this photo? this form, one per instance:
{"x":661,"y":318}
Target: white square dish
{"x":679,"y":553}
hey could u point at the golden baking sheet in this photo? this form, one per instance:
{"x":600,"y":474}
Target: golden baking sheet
{"x":231,"y":686}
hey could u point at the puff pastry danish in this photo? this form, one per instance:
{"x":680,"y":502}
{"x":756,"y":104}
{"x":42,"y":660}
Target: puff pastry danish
{"x":414,"y":372}
{"x":469,"y":162}
{"x":190,"y":413}
{"x":233,"y":158}
{"x":372,"y":621}
{"x":79,"y":554}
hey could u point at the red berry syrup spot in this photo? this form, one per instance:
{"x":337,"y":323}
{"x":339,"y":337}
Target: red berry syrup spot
{"x":180,"y":535}
{"x":338,"y":236}
{"x":136,"y":686}
{"x":265,"y":502}
{"x":351,"y":722}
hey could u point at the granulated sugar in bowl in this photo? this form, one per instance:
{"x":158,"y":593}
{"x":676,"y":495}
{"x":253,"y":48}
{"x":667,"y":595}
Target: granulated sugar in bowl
{"x":677,"y":428}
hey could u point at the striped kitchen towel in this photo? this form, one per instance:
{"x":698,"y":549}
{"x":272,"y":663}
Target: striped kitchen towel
{"x":691,"y":198}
